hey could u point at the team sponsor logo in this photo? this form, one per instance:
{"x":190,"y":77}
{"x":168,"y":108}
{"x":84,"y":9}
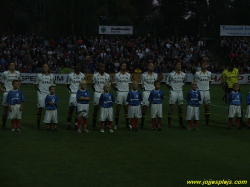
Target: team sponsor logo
{"x":17,"y":94}
{"x":53,"y":100}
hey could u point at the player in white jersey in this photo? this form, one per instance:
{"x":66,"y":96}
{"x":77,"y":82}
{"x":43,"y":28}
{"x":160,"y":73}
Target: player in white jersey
{"x":204,"y":79}
{"x":42,"y":83}
{"x":98,"y":81}
{"x":147,"y":84}
{"x":73,"y":81}
{"x":7,"y":78}
{"x":175,"y":81}
{"x":120,"y":84}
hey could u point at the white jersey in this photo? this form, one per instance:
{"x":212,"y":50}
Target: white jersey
{"x":203,"y":79}
{"x":176,"y":81}
{"x":122,"y":81}
{"x":73,"y":79}
{"x":148,"y":81}
{"x":100,"y":81}
{"x":44,"y":82}
{"x":8,"y":77}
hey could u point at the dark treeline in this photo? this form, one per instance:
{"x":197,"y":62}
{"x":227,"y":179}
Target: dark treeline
{"x":160,"y":18}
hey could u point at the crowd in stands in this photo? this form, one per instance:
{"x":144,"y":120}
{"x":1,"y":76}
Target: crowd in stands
{"x":30,"y":52}
{"x":237,"y":49}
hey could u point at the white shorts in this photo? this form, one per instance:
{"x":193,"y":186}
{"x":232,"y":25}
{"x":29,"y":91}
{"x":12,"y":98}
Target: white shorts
{"x":97,"y":96}
{"x":193,"y":113}
{"x":248,"y":112}
{"x":176,"y":97}
{"x":205,"y":97}
{"x":106,"y":114}
{"x":134,"y":111}
{"x":156,"y":111}
{"x":50,"y":116}
{"x":121,"y":98}
{"x":15,"y":114}
{"x":234,"y":111}
{"x":4,"y":103}
{"x":72,"y":99}
{"x":145,"y":96}
{"x":83,"y":110}
{"x":41,"y":100}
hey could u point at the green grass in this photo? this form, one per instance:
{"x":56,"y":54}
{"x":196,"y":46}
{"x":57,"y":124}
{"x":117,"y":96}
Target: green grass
{"x":123,"y":158}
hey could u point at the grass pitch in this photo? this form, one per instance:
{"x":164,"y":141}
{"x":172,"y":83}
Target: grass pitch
{"x":123,"y":158}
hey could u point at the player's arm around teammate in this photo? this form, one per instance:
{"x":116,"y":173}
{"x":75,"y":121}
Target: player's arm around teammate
{"x":120,"y":84}
{"x":175,"y":82}
{"x":7,"y":78}
{"x":82,"y":97}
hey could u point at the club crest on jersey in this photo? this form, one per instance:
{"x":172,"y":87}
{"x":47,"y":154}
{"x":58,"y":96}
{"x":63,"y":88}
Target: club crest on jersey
{"x":196,"y":95}
{"x":109,"y":97}
{"x":238,"y":96}
{"x":53,"y":100}
{"x":17,"y":94}
{"x":159,"y":95}
{"x":136,"y":96}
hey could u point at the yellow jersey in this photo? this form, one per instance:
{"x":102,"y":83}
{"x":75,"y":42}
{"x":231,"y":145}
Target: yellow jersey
{"x":230,"y":77}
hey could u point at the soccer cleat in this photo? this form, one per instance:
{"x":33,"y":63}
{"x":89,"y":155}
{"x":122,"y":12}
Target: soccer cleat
{"x":18,"y":130}
{"x":86,"y":130}
{"x":115,"y":127}
{"x":68,"y":127}
{"x":3,"y":128}
{"x":136,"y":130}
{"x":169,"y":125}
{"x":55,"y":130}
{"x":229,"y":128}
{"x":152,"y":129}
{"x":239,"y":128}
{"x":111,"y":130}
{"x":127,"y":126}
{"x":196,"y":128}
{"x":94,"y":127}
{"x":132,"y":130}
{"x":189,"y":128}
{"x":182,"y":126}
{"x":12,"y":130}
{"x":75,"y":127}
{"x":159,"y":129}
{"x":48,"y":129}
{"x":102,"y":130}
{"x":208,"y":124}
{"x":130,"y":126}
{"x":79,"y":130}
{"x":142,"y":126}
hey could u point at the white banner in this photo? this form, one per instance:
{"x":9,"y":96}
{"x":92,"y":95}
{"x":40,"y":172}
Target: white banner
{"x":29,"y":78}
{"x":116,"y":30}
{"x":234,"y":30}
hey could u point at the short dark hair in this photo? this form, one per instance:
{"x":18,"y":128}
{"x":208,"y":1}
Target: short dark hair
{"x":14,"y":81}
{"x":123,"y":63}
{"x":230,"y":63}
{"x":11,"y":62}
{"x":177,"y":62}
{"x":51,"y":87}
{"x":157,"y":82}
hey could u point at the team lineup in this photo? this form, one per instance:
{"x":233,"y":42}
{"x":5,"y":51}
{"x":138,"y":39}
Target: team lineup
{"x":135,"y":103}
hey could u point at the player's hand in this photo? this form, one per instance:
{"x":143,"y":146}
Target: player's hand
{"x":51,"y":103}
{"x":21,"y":108}
{"x":2,"y":90}
{"x":10,"y":109}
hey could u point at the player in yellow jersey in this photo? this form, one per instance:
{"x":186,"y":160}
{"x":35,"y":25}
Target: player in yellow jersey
{"x":230,"y":76}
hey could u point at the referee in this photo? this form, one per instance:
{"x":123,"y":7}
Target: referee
{"x":230,"y":76}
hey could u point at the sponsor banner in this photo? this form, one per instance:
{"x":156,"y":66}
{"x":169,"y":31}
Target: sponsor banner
{"x":116,"y":30}
{"x":235,"y":30}
{"x":29,"y":78}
